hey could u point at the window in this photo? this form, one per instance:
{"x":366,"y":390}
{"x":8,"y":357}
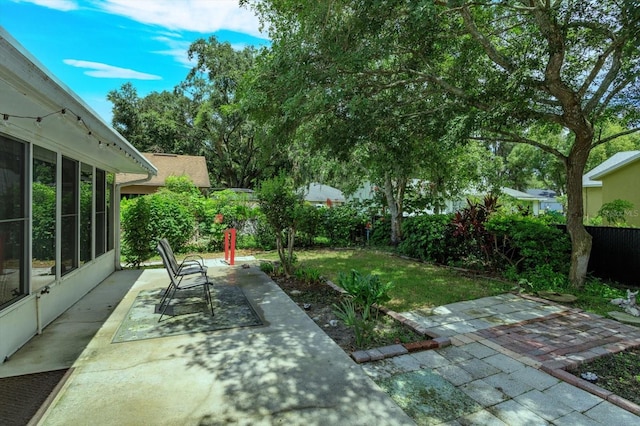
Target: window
{"x":101,"y":212}
{"x":43,"y":227}
{"x":110,"y":210}
{"x":86,"y":212}
{"x":69,"y":220}
{"x":13,"y":220}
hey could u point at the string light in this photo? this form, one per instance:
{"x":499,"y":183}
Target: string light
{"x":38,"y":120}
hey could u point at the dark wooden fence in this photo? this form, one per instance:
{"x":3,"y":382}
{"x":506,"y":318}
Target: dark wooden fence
{"x":615,"y":254}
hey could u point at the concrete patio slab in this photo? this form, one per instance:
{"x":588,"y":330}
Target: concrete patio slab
{"x":285,"y":372}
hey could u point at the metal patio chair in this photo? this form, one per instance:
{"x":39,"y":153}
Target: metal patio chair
{"x":181,"y":282}
{"x":192,"y":264}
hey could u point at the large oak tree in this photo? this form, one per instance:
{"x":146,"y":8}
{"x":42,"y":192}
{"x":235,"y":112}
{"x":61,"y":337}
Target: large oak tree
{"x":493,"y":70}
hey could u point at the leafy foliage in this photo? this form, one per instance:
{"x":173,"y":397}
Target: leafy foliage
{"x":428,"y":237}
{"x":366,"y":290}
{"x":281,"y":207}
{"x":148,"y":218}
{"x":526,"y":243}
{"x":470,"y":227}
{"x":357,"y":317}
{"x":614,"y":211}
{"x":389,"y":78}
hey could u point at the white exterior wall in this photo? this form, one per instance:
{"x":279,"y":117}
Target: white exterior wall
{"x":23,"y":320}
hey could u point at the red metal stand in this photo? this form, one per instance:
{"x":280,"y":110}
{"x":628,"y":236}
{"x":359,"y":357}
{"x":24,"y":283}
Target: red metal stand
{"x":230,"y":246}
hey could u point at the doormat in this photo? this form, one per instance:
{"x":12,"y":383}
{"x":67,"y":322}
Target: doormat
{"x":187,"y":313}
{"x":22,"y":396}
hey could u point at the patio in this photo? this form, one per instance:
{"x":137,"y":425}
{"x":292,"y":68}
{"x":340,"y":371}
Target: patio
{"x":285,"y":371}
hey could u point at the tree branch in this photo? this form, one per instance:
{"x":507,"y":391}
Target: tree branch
{"x":617,"y":135}
{"x":515,"y":138}
{"x":489,"y":48}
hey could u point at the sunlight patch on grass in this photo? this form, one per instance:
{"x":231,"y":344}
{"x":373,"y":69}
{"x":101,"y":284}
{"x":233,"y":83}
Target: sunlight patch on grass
{"x":416,"y":285}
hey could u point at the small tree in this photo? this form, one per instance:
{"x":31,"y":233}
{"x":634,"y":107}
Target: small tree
{"x":613,"y":212}
{"x":281,"y":205}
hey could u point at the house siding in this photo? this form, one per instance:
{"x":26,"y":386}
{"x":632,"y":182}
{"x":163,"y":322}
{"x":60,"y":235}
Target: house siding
{"x":592,"y":201}
{"x":623,"y":184}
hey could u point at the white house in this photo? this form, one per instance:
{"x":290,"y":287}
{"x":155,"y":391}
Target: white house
{"x":59,"y":206}
{"x":319,"y":194}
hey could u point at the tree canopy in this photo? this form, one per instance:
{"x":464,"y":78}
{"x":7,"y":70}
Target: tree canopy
{"x":403,"y":74}
{"x":202,"y":116}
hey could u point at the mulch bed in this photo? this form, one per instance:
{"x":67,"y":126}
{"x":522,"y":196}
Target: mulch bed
{"x":22,"y":396}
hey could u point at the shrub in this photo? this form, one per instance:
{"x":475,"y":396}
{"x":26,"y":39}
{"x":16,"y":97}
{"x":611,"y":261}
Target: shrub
{"x":381,"y":232}
{"x":281,"y":207}
{"x":310,"y":221}
{"x":264,"y":234}
{"x":614,"y":212}
{"x":542,"y":277}
{"x":526,"y":242}
{"x":308,"y":275}
{"x":147,"y":219}
{"x":470,"y":228}
{"x":343,"y":225}
{"x":427,"y":237}
{"x":366,"y":290}
{"x":44,"y":221}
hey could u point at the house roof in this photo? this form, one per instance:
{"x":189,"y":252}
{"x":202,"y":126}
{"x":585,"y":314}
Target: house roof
{"x":546,"y":193}
{"x":319,"y":193}
{"x":632,"y":156}
{"x":173,"y":165}
{"x":590,"y":179}
{"x":36,"y":106}
{"x":519,"y":195}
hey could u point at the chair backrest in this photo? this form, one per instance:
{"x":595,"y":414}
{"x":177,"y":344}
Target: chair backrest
{"x":171,"y":258}
{"x":167,"y":263}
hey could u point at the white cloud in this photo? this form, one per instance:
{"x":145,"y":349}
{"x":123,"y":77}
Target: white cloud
{"x":100,"y":70}
{"x":202,"y":16}
{"x":177,"y":49}
{"x":64,"y":5}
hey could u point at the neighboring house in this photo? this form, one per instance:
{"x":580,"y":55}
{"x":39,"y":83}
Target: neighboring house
{"x":319,"y":194}
{"x":522,"y":199}
{"x":549,"y":201}
{"x":533,"y":201}
{"x":195,"y":167}
{"x":59,"y":207}
{"x":616,"y":178}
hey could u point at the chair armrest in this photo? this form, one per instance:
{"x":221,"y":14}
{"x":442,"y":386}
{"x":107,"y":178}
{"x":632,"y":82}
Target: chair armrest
{"x":191,"y":260}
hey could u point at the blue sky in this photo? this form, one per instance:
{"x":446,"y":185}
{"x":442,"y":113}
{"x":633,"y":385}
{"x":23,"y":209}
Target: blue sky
{"x":95,"y":46}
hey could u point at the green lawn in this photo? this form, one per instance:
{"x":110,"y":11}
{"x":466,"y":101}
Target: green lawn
{"x":416,"y":285}
{"x":421,"y":285}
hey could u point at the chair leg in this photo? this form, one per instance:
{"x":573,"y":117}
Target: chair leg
{"x":167,"y":299}
{"x":165,"y":293}
{"x":207,"y":296}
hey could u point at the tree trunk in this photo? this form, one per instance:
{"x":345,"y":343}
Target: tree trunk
{"x":395,"y":207}
{"x":290,"y":241}
{"x":580,"y":238}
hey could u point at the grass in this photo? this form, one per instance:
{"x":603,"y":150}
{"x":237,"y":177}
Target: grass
{"x":420,"y":285}
{"x":416,"y":285}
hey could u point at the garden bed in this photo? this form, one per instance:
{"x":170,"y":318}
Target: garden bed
{"x":318,"y":300}
{"x":618,"y":373}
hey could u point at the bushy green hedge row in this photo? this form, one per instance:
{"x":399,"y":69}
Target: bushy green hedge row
{"x":340,"y":226}
{"x":193,"y":222}
{"x":522,"y":248}
{"x":147,"y":219}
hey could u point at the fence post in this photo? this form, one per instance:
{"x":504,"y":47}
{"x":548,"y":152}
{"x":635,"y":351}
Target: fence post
{"x":230,"y":246}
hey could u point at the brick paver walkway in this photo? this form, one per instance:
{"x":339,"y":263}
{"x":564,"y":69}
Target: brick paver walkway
{"x":567,"y":337}
{"x":506,"y":364}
